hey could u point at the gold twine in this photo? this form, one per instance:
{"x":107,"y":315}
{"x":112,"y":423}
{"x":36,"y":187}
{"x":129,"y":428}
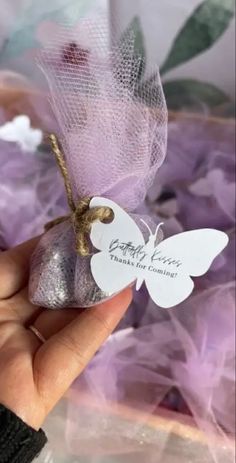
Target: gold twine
{"x":82,"y":217}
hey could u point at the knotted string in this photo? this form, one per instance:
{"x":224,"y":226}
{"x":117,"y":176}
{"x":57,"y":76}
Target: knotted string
{"x":82,"y":217}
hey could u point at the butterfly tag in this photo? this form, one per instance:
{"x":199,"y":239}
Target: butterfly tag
{"x":124,"y":258}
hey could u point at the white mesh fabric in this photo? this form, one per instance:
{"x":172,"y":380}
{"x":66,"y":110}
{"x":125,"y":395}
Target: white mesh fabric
{"x":113,"y":142}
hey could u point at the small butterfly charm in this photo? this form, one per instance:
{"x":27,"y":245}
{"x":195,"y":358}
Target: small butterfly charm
{"x":20,"y":131}
{"x":166,"y":268}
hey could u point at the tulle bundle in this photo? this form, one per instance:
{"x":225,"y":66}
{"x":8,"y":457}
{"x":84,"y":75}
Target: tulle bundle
{"x":40,"y":194}
{"x":112,"y":143}
{"x":190,"y":350}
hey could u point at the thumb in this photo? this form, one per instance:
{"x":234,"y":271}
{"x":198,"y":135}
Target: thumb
{"x":65,"y":355}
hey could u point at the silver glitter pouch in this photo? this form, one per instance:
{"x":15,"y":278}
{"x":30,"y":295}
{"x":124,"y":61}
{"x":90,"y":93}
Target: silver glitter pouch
{"x":111,"y":145}
{"x":60,"y":277}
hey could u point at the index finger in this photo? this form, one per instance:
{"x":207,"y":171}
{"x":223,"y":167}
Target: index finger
{"x":14,"y":268}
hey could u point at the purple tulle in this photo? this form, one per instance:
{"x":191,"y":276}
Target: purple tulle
{"x":200,"y":171}
{"x":190,"y":349}
{"x":31,"y":194}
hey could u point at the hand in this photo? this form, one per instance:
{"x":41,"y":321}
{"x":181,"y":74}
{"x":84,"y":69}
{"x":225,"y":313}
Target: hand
{"x":34,"y":376}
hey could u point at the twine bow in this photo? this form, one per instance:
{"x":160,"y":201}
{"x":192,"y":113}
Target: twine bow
{"x":82,"y":217}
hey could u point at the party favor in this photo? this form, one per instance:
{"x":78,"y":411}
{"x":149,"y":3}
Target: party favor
{"x":112,"y":141}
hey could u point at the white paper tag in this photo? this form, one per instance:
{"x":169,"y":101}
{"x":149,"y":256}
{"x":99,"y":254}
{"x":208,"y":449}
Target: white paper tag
{"x":166,"y":268}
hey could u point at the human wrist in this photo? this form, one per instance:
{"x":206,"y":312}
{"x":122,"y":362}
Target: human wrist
{"x":18,"y":441}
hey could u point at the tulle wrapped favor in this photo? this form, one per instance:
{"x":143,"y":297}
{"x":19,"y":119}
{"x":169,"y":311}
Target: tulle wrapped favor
{"x":113,"y":146}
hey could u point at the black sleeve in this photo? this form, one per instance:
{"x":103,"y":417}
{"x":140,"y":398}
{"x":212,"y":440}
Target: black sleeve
{"x":18,"y":442}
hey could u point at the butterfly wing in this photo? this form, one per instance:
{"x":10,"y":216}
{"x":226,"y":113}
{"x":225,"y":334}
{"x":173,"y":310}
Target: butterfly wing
{"x":112,"y":276}
{"x":167,"y":294}
{"x":194,"y":251}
